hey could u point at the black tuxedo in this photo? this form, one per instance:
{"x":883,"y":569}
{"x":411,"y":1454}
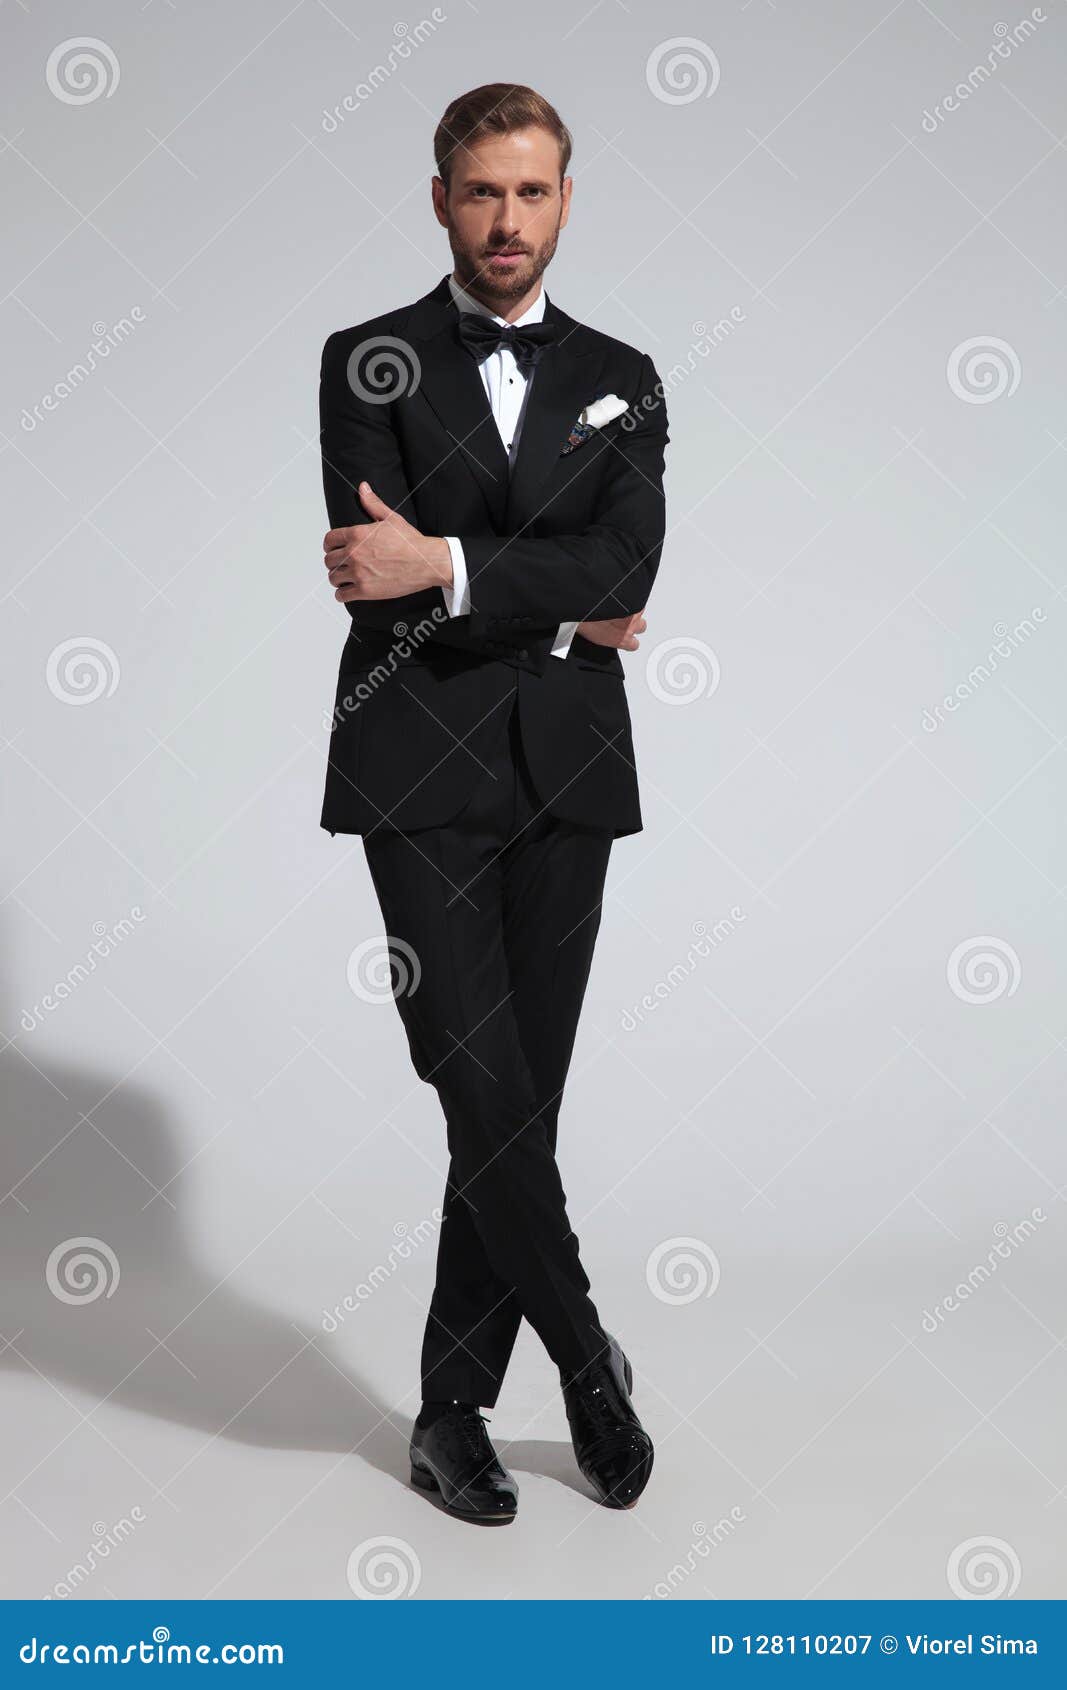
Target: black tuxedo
{"x":489,"y":780}
{"x":567,"y":535}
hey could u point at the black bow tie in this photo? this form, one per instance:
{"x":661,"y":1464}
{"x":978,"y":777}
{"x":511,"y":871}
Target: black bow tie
{"x":482,"y":337}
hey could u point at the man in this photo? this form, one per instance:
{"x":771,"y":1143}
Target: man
{"x":493,"y":475}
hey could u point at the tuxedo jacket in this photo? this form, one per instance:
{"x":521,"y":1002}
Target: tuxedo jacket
{"x":566,"y":532}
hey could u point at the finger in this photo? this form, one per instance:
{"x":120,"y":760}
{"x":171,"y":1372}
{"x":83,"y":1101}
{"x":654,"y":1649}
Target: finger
{"x":336,"y":537}
{"x":375,"y":507}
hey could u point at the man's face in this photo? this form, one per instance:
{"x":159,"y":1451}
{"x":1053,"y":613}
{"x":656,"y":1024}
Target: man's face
{"x":503,"y":211}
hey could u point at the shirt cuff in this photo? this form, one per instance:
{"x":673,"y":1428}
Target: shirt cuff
{"x":562,"y":642}
{"x":457,"y":596}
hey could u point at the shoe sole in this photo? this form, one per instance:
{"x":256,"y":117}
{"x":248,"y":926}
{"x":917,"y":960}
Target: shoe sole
{"x":423,"y":1478}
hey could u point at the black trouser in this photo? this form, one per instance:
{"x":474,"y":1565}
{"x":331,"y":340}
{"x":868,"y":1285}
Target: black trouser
{"x":501,"y":908}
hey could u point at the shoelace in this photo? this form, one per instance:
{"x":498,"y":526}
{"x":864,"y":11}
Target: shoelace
{"x":472,"y":1431}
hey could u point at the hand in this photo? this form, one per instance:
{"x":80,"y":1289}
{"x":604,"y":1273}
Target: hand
{"x":385,"y":558}
{"x":617,"y":631}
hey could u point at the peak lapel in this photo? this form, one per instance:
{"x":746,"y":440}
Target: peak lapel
{"x":450,"y":383}
{"x":560,"y":388}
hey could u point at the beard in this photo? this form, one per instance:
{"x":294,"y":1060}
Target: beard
{"x":476,"y":275}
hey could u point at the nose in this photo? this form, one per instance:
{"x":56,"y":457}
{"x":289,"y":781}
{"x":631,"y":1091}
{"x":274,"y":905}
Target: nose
{"x":508,"y":220}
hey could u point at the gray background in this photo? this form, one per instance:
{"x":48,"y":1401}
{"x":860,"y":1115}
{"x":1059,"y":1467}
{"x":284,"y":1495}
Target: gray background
{"x":813,"y":1116}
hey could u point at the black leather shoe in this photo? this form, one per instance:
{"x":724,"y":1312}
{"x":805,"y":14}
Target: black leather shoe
{"x":455,"y":1457}
{"x":612,"y":1447}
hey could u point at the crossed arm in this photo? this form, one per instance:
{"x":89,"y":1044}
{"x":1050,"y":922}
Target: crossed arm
{"x":518,"y":586}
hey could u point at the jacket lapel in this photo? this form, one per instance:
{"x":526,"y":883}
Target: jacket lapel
{"x":558,"y":391}
{"x":452,"y":386}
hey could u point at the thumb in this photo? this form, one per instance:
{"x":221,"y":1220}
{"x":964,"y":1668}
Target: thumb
{"x":374,"y":507}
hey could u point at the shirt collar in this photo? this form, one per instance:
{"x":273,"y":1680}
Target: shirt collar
{"x":466,"y":302}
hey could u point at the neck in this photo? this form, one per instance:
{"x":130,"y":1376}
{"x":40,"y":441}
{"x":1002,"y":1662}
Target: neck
{"x":508,"y":309}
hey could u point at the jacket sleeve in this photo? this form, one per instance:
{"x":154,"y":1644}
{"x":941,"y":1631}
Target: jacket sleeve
{"x":605,"y":570}
{"x":358,"y":443}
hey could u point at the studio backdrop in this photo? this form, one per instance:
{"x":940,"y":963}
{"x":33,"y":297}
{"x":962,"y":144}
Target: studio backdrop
{"x":812,"y":1140}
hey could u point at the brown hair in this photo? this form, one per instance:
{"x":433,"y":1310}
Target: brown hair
{"x":497,"y":108}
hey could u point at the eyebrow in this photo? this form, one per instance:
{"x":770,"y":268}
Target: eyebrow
{"x":532,"y":183}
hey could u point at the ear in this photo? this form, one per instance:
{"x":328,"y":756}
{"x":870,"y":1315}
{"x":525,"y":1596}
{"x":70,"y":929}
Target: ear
{"x":565,"y":200}
{"x":439,"y":194}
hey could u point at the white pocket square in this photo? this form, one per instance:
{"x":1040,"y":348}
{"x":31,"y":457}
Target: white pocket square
{"x":603,"y":411}
{"x":596,"y":415}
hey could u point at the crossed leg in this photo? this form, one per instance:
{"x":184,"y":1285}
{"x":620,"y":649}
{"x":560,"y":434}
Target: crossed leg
{"x":501,"y":908}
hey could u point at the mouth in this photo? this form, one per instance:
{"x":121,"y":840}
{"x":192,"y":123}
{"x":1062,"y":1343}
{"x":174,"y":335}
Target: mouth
{"x":505,"y":260}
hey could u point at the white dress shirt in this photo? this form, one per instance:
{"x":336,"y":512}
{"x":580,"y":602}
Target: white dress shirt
{"x":505,"y":388}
